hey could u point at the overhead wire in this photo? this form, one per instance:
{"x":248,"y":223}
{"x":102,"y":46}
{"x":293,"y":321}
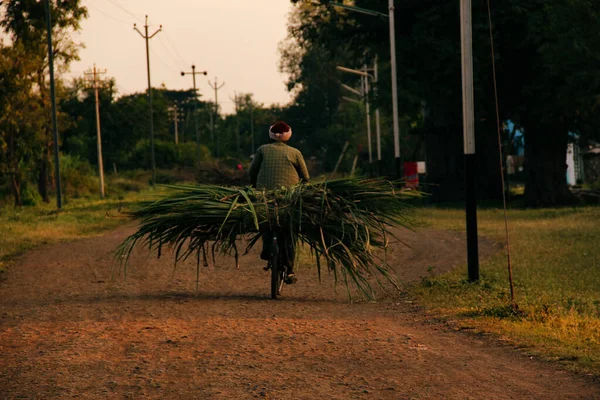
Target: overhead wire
{"x":163,"y":62}
{"x":507,"y":238}
{"x":167,"y":49}
{"x":107,"y":15}
{"x":174,"y":48}
{"x":136,"y":16}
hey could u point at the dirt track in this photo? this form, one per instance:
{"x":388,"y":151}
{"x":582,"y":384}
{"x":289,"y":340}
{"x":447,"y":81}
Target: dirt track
{"x":68,"y":331}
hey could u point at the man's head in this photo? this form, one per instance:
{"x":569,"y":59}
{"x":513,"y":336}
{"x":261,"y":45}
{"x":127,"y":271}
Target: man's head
{"x":280,"y":131}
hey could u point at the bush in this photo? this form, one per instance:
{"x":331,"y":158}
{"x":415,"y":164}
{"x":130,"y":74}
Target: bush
{"x":121,"y":185}
{"x":78,"y":178}
{"x":167,"y":154}
{"x":187,"y":154}
{"x":30,"y":195}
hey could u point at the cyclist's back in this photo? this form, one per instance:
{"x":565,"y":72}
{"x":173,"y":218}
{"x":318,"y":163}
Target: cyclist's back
{"x":277,"y":165}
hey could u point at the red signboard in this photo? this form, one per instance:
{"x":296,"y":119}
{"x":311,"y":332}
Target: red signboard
{"x":411,"y":174}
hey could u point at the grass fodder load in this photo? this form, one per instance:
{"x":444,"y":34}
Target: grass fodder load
{"x":342,"y":221}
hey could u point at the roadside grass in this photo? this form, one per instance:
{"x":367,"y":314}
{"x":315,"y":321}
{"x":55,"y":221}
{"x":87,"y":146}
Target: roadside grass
{"x":556,"y":270}
{"x":27,"y":227}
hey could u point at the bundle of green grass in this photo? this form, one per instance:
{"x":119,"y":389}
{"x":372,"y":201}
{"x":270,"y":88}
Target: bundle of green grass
{"x":342,"y":221}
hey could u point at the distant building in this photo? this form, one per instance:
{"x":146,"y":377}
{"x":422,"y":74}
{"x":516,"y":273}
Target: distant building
{"x":575,"y":166}
{"x":591,"y":163}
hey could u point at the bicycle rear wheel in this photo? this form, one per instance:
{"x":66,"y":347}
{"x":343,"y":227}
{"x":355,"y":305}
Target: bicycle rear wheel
{"x":275,"y":276}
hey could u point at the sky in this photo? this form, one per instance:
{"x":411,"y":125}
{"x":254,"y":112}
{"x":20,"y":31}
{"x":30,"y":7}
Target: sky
{"x":235,"y":41}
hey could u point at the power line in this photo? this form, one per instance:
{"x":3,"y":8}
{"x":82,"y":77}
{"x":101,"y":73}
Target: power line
{"x":163,"y":62}
{"x":108,"y":15}
{"x":174,"y":48}
{"x":166,"y":49}
{"x":136,"y":16}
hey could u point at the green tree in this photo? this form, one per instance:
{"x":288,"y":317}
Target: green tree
{"x":547,"y":61}
{"x":20,"y":119}
{"x":25,"y":22}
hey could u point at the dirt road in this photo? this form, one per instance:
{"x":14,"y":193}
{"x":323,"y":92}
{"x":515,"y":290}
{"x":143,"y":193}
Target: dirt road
{"x":67,"y":330}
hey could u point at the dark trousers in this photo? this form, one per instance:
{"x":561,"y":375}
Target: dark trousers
{"x":286,"y":247}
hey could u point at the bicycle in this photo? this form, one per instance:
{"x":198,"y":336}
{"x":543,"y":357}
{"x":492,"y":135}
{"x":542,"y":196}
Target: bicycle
{"x":278,"y":268}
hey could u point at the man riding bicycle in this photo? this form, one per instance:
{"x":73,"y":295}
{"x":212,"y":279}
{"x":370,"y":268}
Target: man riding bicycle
{"x":277,"y":165}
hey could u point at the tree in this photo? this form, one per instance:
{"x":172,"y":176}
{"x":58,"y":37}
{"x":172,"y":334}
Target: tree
{"x":547,"y":61}
{"x":20,"y":119}
{"x":25,"y":22}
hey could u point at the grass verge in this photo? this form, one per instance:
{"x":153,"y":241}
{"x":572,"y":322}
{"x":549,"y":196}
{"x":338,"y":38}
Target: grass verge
{"x":556,"y":270}
{"x":28,"y":227}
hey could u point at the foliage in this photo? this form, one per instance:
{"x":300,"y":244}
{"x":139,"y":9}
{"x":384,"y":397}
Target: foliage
{"x":24,"y":21}
{"x":77,"y":177}
{"x":547,"y":58}
{"x":342,"y":221}
{"x":20,"y":119}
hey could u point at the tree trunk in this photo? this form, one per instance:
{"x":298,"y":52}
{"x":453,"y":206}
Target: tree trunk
{"x":15,"y":187}
{"x":546,"y":166}
{"x":15,"y":173}
{"x":43,"y":179}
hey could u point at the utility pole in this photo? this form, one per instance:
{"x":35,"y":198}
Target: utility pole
{"x":364,"y":93}
{"x":466,"y":36}
{"x":53,"y":103}
{"x":194,"y":73}
{"x":252,"y":126}
{"x":390,"y":16}
{"x":395,"y":91}
{"x":368,"y":111}
{"x":94,"y":74}
{"x":236,"y":101}
{"x":377,"y":126}
{"x":216,"y":88}
{"x":176,"y":120}
{"x":147,"y":38}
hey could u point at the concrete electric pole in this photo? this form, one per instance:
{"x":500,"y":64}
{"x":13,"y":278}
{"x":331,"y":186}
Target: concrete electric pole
{"x":147,"y":37}
{"x":216,"y":88}
{"x":94,"y":78}
{"x":194,"y":73}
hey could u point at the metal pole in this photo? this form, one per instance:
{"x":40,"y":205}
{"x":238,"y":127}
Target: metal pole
{"x":53,"y":105}
{"x":99,"y":135}
{"x":394,"y":90}
{"x":466,"y":34}
{"x":339,"y":161}
{"x":368,"y":112}
{"x":377,"y":126}
{"x":147,"y":38}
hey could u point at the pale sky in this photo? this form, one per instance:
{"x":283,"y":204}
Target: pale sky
{"x":234,"y":40}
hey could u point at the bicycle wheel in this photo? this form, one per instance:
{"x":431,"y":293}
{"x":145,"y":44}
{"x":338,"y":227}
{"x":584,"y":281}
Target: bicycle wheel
{"x":275,"y":277}
{"x":275,"y":269}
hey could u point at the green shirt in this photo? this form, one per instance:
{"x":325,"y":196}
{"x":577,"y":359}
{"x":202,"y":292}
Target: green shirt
{"x":276,"y":165}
